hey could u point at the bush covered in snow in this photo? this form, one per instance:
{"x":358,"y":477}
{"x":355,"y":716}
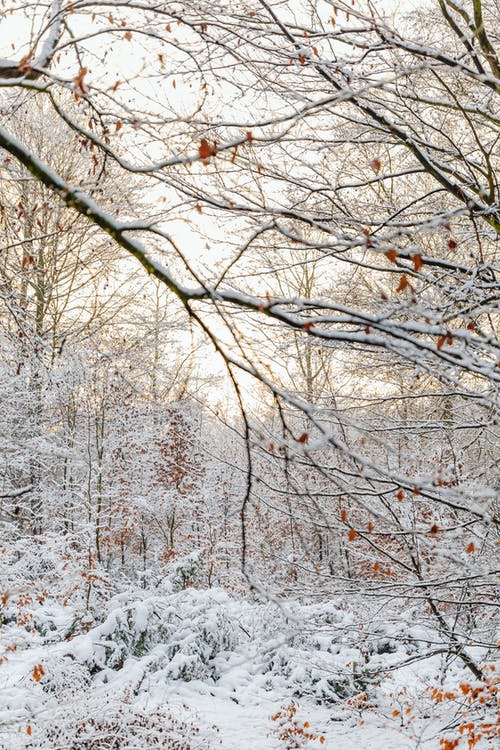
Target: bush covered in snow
{"x":237,"y":645}
{"x":104,"y":722}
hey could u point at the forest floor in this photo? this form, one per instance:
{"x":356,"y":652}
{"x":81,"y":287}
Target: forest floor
{"x":223,"y":672}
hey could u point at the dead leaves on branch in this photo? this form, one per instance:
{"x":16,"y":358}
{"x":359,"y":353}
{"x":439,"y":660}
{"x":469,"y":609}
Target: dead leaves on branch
{"x":81,"y":88}
{"x":206,"y":150}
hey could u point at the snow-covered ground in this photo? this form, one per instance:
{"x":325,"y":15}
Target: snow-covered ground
{"x":233,"y":674}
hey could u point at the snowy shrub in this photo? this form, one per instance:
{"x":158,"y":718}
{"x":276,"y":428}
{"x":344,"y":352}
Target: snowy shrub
{"x":52,"y":587}
{"x":63,"y":675}
{"x":209,"y":636}
{"x":111,"y":723}
{"x":292,"y":733}
{"x":186,"y":630}
{"x":184,"y":571}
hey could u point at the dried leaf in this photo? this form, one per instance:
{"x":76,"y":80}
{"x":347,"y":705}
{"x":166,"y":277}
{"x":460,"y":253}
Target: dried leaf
{"x":403,"y":284}
{"x":205,"y":150}
{"x":79,"y":81}
{"x":417,"y":262}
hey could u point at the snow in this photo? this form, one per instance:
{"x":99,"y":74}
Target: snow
{"x":226,"y":664}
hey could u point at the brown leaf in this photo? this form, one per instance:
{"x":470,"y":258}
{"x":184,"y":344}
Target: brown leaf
{"x":376,"y":165}
{"x":392,"y":255}
{"x":205,"y":150}
{"x":79,"y":82}
{"x":417,"y":262}
{"x":128,"y":36}
{"x":446,"y":338}
{"x":403,"y":284}
{"x":303,"y":438}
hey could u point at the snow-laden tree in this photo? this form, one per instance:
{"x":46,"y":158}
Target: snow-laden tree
{"x":318,"y":129}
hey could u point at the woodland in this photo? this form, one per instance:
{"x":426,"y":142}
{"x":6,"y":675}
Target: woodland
{"x":249,"y":374}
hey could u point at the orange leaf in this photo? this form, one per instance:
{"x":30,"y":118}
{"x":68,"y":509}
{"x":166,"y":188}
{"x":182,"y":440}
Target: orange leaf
{"x":343,"y":515}
{"x":128,"y":36}
{"x":392,"y":255}
{"x":205,"y":150}
{"x":303,"y":438}
{"x":79,"y":82}
{"x":470,"y":548}
{"x":400,"y":495}
{"x":352,"y":535}
{"x":28,"y":730}
{"x":434,"y":529}
{"x":403,"y":284}
{"x":446,"y":338}
{"x":376,"y":164}
{"x":417,"y":261}
{"x":118,"y":126}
